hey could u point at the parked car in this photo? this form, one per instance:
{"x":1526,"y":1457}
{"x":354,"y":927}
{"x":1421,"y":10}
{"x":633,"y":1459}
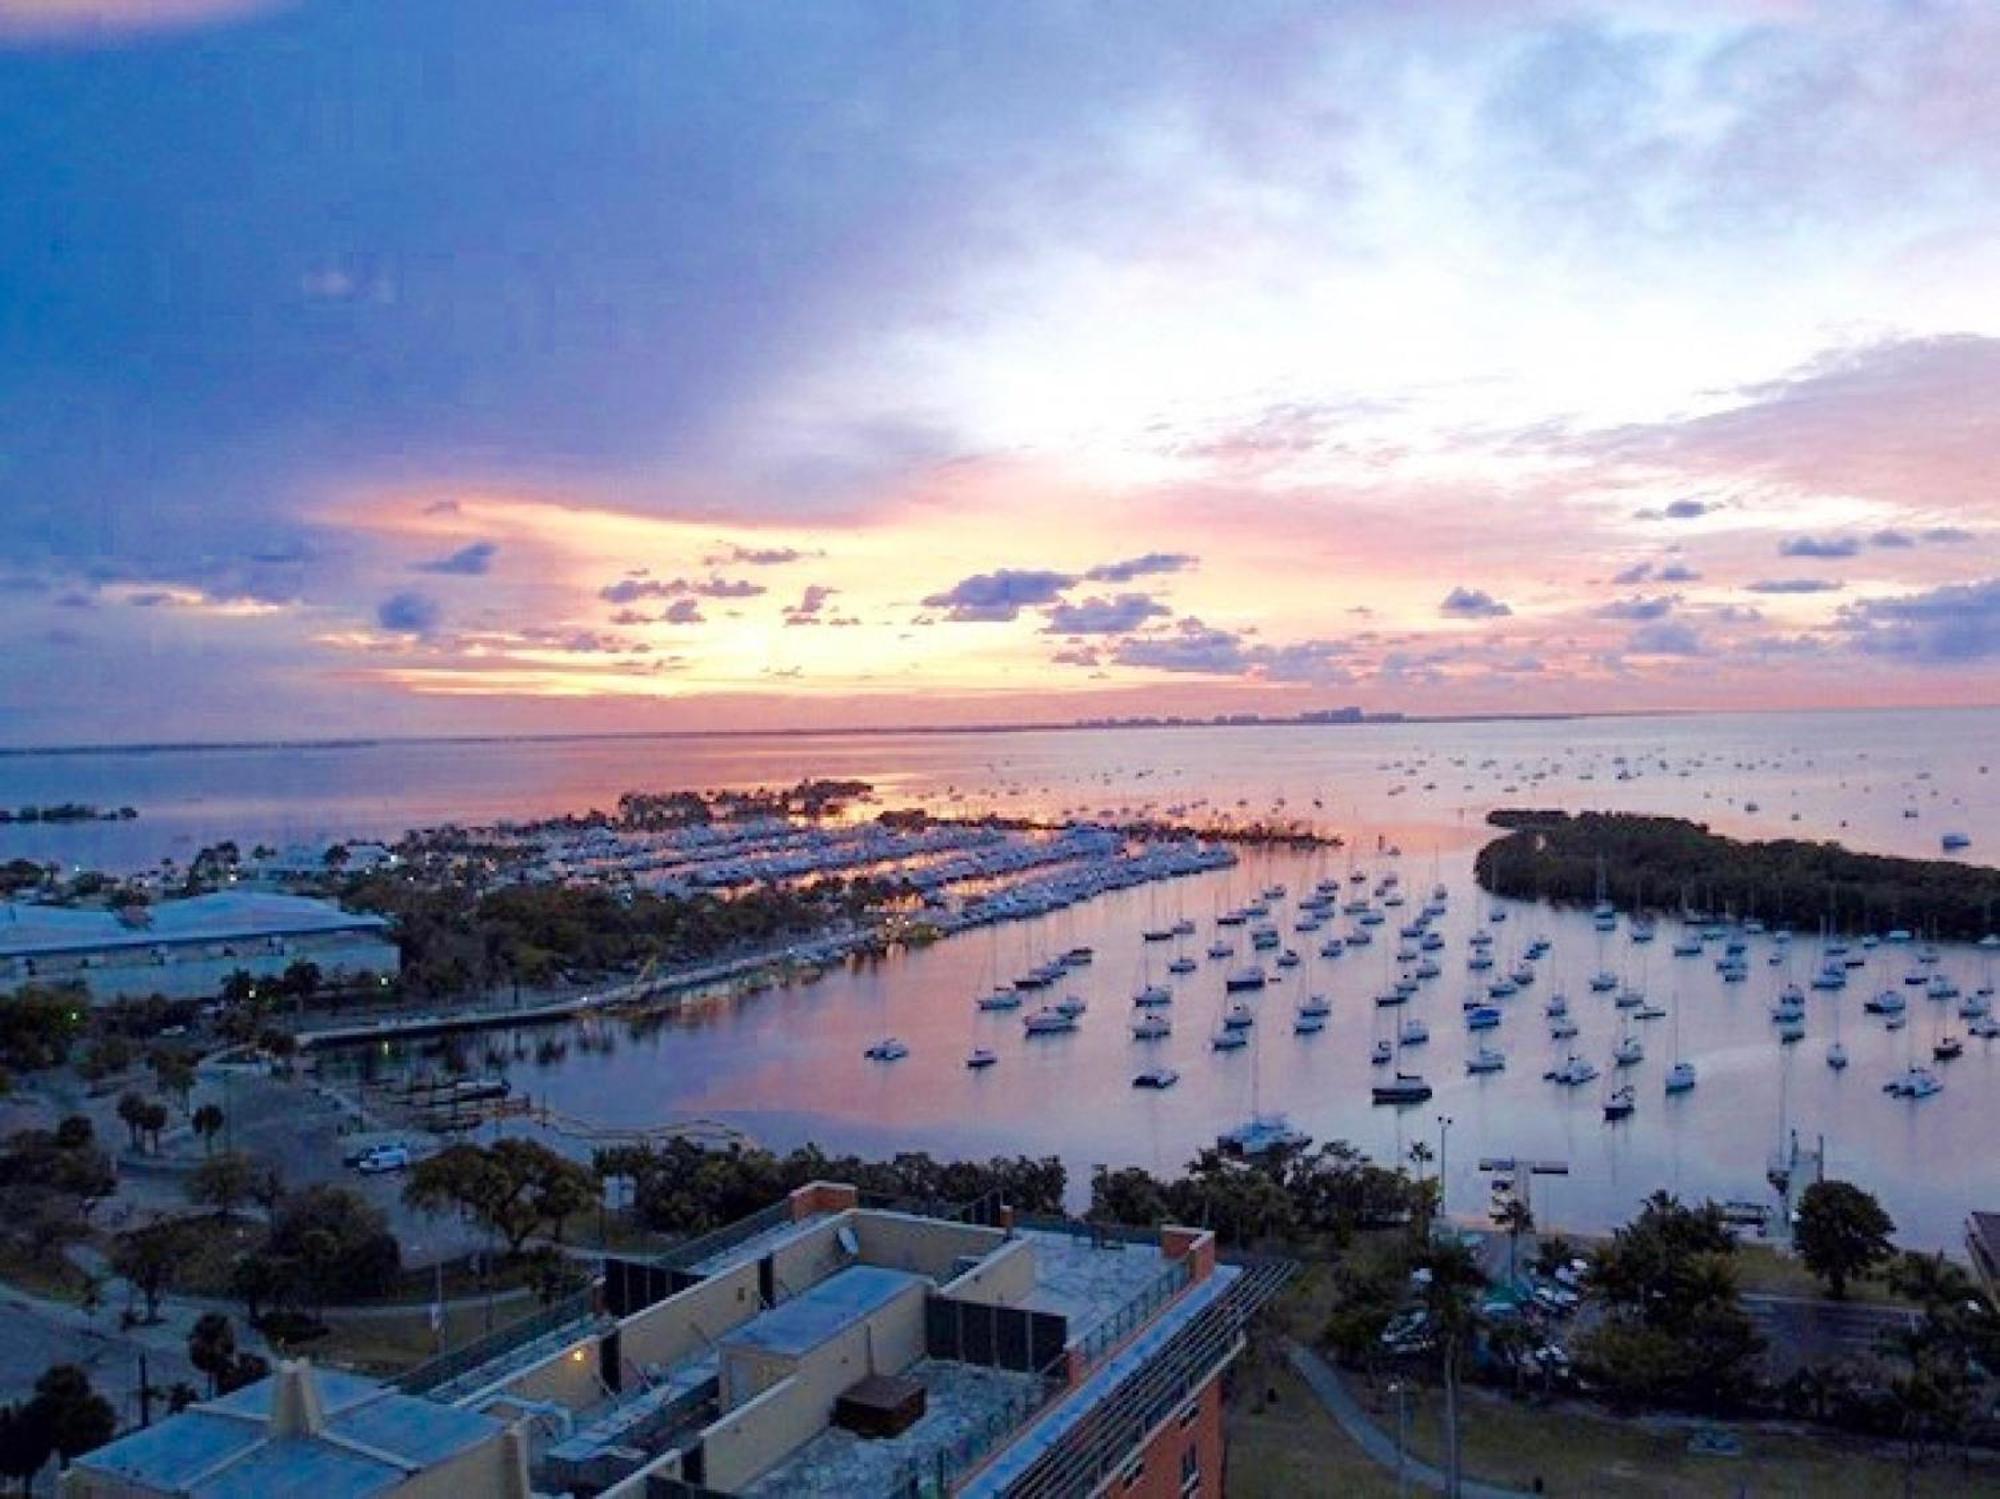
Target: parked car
{"x":358,"y":1153}
{"x":383,"y":1158}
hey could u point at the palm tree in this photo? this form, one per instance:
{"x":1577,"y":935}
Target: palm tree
{"x":1514,"y":1216}
{"x":1451,"y":1301}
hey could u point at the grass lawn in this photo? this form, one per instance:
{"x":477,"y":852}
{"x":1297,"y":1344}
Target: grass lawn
{"x":1577,"y":1452}
{"x":1291,"y":1448}
{"x":1762,"y":1268}
{"x":389,"y":1345}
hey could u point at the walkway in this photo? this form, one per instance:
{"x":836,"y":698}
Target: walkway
{"x":1372,"y":1439}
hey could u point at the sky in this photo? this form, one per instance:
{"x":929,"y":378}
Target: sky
{"x":441,"y":366}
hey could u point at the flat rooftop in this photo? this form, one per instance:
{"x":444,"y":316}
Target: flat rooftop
{"x":963,"y":1401}
{"x":28,"y":930}
{"x":1088,"y":1280}
{"x":825,"y":1310}
{"x":372,"y":1440}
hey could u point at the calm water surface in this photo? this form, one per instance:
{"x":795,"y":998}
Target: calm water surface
{"x":787,"y":1065}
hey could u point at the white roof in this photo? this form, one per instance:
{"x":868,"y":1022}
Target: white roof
{"x":26,"y":930}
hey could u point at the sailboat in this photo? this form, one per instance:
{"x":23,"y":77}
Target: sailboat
{"x":1680,"y":1076}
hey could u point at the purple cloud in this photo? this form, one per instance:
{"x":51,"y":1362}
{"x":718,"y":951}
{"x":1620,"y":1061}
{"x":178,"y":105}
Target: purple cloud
{"x":1663,"y":639}
{"x":1794,"y":585}
{"x":1472,"y":603}
{"x":1957,"y":623}
{"x":1818,"y":546}
{"x":408,"y":613}
{"x":1140,"y":567}
{"x":467,"y":562}
{"x":1635,"y":608}
{"x":996,"y":597}
{"x":1097,"y":616}
{"x":631,"y":590}
{"x":811,"y":604}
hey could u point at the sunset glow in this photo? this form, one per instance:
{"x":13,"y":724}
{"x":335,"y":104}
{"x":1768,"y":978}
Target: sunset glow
{"x":1437,"y":358}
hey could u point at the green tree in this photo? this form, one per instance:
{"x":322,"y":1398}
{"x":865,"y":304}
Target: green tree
{"x":132,"y":1111}
{"x":335,"y":1244}
{"x":302,"y":980}
{"x":173,"y":1073}
{"x":75,"y":1417}
{"x":223,"y":1182}
{"x":513,"y":1187}
{"x":207,"y":1122}
{"x":211,"y":1347}
{"x":1450,"y":1285}
{"x":25,"y":1444}
{"x":1842,"y":1233}
{"x":1514,"y":1219}
{"x":148,"y":1258}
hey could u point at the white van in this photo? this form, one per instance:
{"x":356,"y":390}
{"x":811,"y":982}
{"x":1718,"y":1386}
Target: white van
{"x":384,"y":1158}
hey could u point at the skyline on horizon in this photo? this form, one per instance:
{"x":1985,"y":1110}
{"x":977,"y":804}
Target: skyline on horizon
{"x":378,"y":372}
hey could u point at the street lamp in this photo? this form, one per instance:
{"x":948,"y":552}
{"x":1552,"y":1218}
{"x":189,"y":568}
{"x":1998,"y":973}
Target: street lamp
{"x":1444,"y":1162}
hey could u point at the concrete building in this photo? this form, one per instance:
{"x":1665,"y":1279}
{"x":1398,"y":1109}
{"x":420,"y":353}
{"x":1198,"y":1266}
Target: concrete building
{"x":824,"y":1349}
{"x":1982,"y":1245}
{"x":186,"y":949}
{"x":307,"y":1431}
{"x":827,"y":1348}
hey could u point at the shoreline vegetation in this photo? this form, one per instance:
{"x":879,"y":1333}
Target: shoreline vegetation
{"x":66,"y":812}
{"x":1669,"y":864}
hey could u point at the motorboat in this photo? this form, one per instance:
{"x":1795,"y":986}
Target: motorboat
{"x":1562,"y":1028}
{"x":983,"y":1057}
{"x":1629,"y":999}
{"x":1288,"y":959}
{"x":1227,"y":1039}
{"x":1622,"y":1104}
{"x":1153,"y":997}
{"x":1333,"y":947}
{"x":1156,"y":1077}
{"x":1221,"y":950}
{"x":1573,"y":1072}
{"x":1888,"y":1002}
{"x":1182,"y":965}
{"x":1629,"y":1052}
{"x":1317,"y":1004}
{"x":888,"y":1049}
{"x":1403,"y":1088}
{"x":1915,"y":1082}
{"x":1152,"y":1028}
{"x":1791,"y":1030}
{"x":1413,"y":1033}
{"x":1308,"y":1025}
{"x":1947,"y":1049}
{"x":1046,"y":1022}
{"x":1836,"y":1057}
{"x":1241,"y":979}
{"x":1558,"y":1005}
{"x":1001,"y":999}
{"x":1079,"y":957}
{"x":1603,"y":981}
{"x":1264,"y":1134}
{"x":1680,"y":1077}
{"x":1071,"y":1005}
{"x":1238,"y":1017}
{"x":1486,"y":1059}
{"x":1390,"y":998}
{"x":1483,"y":1017}
{"x":1650,"y":1012}
{"x":1382,"y":1054}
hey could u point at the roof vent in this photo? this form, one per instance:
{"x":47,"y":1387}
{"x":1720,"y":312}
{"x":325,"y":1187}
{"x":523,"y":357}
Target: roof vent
{"x":296,"y":1409}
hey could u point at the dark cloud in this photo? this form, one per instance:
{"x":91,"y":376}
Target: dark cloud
{"x":1818,"y":546}
{"x":1638,"y":572}
{"x":1957,"y":623}
{"x":996,"y":597}
{"x":1472,"y":603}
{"x":1190,"y":646}
{"x":408,"y":613}
{"x":631,"y":590}
{"x":1794,"y":585}
{"x":1140,"y":567}
{"x":1891,"y":537}
{"x":1679,"y":510}
{"x":682,"y":612}
{"x":810,"y":608}
{"x":467,"y":562}
{"x":1099,"y":616}
{"x":742,"y":556}
{"x":1947,"y":535}
{"x":1663,"y":639}
{"x":1658,"y":607}
{"x":1678,"y":572}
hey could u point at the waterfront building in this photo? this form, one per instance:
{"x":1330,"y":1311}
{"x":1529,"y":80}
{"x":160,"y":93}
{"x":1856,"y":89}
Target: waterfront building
{"x":830,"y":1346}
{"x":186,"y":949}
{"x":310,"y":1431}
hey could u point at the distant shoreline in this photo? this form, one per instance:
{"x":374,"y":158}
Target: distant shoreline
{"x":868,"y":731}
{"x":887,"y":731}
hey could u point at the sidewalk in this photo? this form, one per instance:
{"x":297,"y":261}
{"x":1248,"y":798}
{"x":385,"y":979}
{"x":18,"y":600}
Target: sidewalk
{"x":1372,"y":1439}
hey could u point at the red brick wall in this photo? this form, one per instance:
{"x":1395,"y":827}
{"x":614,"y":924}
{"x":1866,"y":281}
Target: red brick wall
{"x":1160,"y":1474}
